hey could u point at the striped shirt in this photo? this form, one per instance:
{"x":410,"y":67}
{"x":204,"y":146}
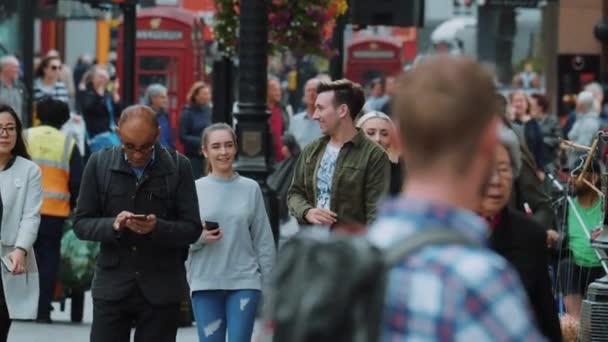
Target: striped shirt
{"x":57,"y":92}
{"x":450,"y":292}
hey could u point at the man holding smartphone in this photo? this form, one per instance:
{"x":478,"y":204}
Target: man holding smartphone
{"x":139,"y":201}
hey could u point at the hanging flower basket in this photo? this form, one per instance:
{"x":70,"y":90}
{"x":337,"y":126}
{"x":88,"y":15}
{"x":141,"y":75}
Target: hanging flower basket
{"x":299,"y":26}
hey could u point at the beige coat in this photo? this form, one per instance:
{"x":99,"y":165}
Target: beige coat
{"x":20,"y":186}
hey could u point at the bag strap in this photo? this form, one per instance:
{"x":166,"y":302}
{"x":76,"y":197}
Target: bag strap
{"x":110,"y":107}
{"x":428,"y":236}
{"x":107,"y":176}
{"x":172,"y":185}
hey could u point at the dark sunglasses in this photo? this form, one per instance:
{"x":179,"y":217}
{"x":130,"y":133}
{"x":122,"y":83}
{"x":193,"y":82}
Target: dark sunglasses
{"x":55,"y":67}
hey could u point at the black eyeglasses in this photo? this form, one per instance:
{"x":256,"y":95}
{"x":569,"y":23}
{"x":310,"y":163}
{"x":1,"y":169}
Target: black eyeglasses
{"x":130,"y":149}
{"x":9,"y":130}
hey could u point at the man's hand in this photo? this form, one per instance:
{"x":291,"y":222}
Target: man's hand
{"x":596,"y":233}
{"x":142,"y":227}
{"x":552,"y":237}
{"x":121,"y":220}
{"x":321,"y":216}
{"x":17,"y":258}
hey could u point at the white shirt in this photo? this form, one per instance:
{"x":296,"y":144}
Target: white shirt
{"x":325,"y":175}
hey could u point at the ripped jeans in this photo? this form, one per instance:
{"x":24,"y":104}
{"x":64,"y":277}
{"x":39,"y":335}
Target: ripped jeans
{"x":218,"y":311}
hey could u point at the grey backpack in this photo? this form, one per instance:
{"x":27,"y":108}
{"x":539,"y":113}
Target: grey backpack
{"x":330,"y":288}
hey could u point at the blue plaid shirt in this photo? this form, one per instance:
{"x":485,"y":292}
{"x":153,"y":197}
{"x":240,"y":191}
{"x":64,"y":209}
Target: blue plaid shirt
{"x":449,"y":293}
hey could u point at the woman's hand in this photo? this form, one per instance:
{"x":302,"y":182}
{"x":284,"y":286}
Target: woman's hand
{"x":17,"y":258}
{"x":211,"y":236}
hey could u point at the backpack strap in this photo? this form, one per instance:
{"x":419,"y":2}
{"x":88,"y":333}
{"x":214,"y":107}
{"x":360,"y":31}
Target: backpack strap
{"x":172,"y":180}
{"x":106,"y":177}
{"x":417,"y":241}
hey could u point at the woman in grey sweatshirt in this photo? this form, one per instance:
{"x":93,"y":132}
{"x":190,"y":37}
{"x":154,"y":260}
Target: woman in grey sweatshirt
{"x":228,"y":266}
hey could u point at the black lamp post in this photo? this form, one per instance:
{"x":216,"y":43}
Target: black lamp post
{"x":26,"y":11}
{"x":252,"y":129}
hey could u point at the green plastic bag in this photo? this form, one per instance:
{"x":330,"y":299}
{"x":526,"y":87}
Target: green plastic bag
{"x":77,"y":260}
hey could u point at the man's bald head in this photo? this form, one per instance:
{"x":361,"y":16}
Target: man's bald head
{"x":138,"y":113}
{"x":139,"y":133}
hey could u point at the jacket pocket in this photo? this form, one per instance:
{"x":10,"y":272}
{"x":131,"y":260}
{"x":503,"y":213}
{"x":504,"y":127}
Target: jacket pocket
{"x":107,"y":260}
{"x":157,"y":202}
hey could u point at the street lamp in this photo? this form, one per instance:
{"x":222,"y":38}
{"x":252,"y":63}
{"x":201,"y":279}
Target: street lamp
{"x":252,"y":129}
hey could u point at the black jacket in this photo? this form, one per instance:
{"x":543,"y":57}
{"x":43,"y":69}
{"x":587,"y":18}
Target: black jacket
{"x":154,"y":262}
{"x":528,"y":188}
{"x":522,"y":242}
{"x":193,"y":121}
{"x":96,"y":113}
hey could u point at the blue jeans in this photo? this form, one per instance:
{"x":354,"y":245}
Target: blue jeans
{"x":220,"y":310}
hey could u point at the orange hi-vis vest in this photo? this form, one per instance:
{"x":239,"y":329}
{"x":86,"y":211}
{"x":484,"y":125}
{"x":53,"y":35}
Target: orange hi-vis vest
{"x":51,"y":150}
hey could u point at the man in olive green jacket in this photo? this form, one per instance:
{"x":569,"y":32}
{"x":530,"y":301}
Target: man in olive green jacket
{"x":339,"y":178}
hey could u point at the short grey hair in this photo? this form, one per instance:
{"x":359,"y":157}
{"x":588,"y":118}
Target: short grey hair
{"x":595,"y":88}
{"x":586,"y":99}
{"x":509,"y":140}
{"x":8,"y":59}
{"x":154,"y":90}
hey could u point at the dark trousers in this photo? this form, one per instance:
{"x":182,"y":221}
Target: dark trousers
{"x":575,"y":279}
{"x":5,"y":320}
{"x":48,"y":248}
{"x":112,"y":320}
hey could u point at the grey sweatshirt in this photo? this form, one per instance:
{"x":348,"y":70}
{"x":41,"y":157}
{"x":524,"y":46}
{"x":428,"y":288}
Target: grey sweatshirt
{"x":244,"y":257}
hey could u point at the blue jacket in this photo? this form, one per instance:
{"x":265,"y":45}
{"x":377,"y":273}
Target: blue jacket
{"x":166,"y":133}
{"x":193,"y":121}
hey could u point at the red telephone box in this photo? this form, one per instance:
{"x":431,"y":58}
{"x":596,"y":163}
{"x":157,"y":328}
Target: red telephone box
{"x":371,"y":57}
{"x":170,"y":51}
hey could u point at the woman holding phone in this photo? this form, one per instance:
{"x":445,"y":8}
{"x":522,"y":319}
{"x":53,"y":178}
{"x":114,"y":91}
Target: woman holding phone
{"x":228,"y":266}
{"x":20,"y":199}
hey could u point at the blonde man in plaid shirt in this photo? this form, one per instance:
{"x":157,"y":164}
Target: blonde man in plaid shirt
{"x":447,"y":113}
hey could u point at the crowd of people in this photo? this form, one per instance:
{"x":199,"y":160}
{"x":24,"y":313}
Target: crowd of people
{"x":173,"y":226}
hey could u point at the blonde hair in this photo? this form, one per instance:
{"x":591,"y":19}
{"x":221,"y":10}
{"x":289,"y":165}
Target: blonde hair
{"x":393,"y":151}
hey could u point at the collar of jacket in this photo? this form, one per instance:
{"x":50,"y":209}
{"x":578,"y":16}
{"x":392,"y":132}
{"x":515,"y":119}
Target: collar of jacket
{"x":163,"y":163}
{"x":356,"y":141}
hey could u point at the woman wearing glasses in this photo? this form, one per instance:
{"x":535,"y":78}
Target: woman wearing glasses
{"x":518,"y":238}
{"x":20,"y":199}
{"x":47,"y":83}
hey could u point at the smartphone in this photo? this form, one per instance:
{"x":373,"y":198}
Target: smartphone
{"x":6,"y":262}
{"x":140,"y":217}
{"x":211,"y":225}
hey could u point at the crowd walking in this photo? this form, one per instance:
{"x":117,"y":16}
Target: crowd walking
{"x":187,"y":230}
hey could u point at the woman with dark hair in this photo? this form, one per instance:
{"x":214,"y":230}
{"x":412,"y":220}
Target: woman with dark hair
{"x":195,"y":117}
{"x":20,"y":202}
{"x":47,"y":83}
{"x":531,"y":128}
{"x":280,"y":179}
{"x":549,"y":127}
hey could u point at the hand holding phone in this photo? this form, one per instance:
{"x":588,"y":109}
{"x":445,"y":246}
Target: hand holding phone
{"x":139,"y":217}
{"x":211,"y":225}
{"x":212,"y":232}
